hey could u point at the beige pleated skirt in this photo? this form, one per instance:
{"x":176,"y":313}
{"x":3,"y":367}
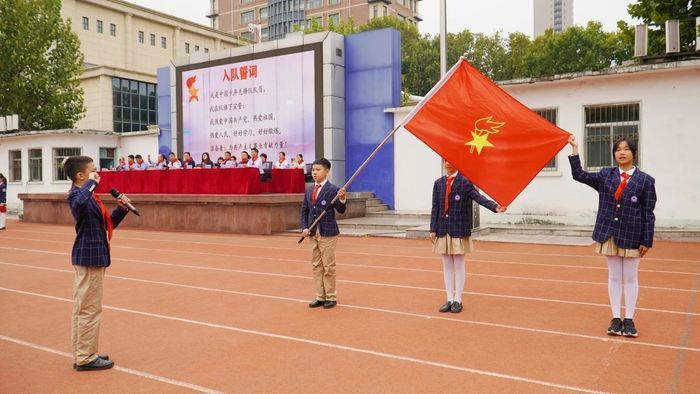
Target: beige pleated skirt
{"x":450,"y":245}
{"x":609,"y":248}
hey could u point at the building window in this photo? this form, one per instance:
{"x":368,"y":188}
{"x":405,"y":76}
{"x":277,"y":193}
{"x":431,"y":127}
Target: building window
{"x":15,"y":166}
{"x":248,"y":35}
{"x":196,"y":48}
{"x":206,"y":50}
{"x":604,"y":126}
{"x":333,"y":2}
{"x":134,"y":105}
{"x":319,"y":20}
{"x":247,"y":17}
{"x":107,"y":158}
{"x":112,"y":30}
{"x":141,"y":35}
{"x":163,"y":42}
{"x":401,"y":17}
{"x":375,"y":11}
{"x":263,"y":13}
{"x":153,"y":40}
{"x":99,"y":26}
{"x":386,"y":11}
{"x":86,"y":23}
{"x":247,"y":1}
{"x":551,"y":115}
{"x":265,"y":33}
{"x":311,"y":4}
{"x":35,"y":166}
{"x":334,"y":19}
{"x":60,"y":154}
{"x":187,"y":47}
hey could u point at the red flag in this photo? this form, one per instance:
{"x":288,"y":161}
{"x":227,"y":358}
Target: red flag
{"x":490,"y":137}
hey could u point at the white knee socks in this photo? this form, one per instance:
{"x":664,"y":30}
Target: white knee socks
{"x":622,"y":273}
{"x":2,"y":219}
{"x":454,"y":275}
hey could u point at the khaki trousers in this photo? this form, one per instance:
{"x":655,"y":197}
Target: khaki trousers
{"x":87,"y":312}
{"x":323,"y":263}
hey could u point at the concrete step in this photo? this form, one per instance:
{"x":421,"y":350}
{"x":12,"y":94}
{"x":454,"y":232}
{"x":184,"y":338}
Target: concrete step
{"x":402,"y":214}
{"x":373,"y":223}
{"x":374,"y":209}
{"x":374,"y":201}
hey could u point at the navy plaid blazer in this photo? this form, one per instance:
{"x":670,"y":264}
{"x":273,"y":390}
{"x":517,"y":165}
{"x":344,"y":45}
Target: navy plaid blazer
{"x":3,"y":193}
{"x":327,"y":227}
{"x":629,"y":221}
{"x":91,"y":248}
{"x":457,"y":221}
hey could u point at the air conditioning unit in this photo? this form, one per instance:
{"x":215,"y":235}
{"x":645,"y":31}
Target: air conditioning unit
{"x":641,"y":39}
{"x":697,"y":33}
{"x":9,"y":123}
{"x":673,"y":37}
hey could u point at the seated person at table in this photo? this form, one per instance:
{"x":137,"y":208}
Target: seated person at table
{"x":282,"y":162}
{"x":130,"y":162}
{"x":140,"y":165}
{"x":206,"y":161}
{"x":263,"y":157}
{"x":256,"y":161}
{"x":161,"y":164}
{"x":122,"y":165}
{"x":174,"y":162}
{"x":188,"y":161}
{"x":229,"y":161}
{"x":219,"y":162}
{"x":245,"y":159}
{"x":299,"y":162}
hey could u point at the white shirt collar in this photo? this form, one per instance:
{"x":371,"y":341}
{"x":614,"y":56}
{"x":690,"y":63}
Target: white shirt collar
{"x":323,"y":183}
{"x":629,"y":172}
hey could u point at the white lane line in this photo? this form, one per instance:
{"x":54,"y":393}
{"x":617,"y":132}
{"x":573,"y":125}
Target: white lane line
{"x":326,"y":345}
{"x":130,"y":371}
{"x":277,"y":259}
{"x":247,"y":245}
{"x":376,"y":284}
{"x":394,"y":312}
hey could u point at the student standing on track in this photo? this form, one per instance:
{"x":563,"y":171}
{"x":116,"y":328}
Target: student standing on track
{"x":624,"y":226}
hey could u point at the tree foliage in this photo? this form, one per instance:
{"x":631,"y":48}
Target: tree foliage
{"x":658,"y":12}
{"x":40,"y":65}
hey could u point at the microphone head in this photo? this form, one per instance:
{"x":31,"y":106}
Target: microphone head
{"x":114,"y":192}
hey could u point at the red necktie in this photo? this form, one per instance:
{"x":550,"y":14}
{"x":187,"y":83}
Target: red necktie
{"x":623,"y":184}
{"x":447,"y":194}
{"x":109,"y":226}
{"x":315,"y":193}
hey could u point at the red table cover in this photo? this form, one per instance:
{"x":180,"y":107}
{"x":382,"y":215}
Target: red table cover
{"x":201,"y":181}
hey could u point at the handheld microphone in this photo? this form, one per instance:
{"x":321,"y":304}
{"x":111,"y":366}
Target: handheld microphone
{"x":115,"y":193}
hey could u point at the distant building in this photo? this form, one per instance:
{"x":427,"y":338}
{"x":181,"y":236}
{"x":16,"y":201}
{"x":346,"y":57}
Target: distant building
{"x":279,"y":17}
{"x":553,"y":14}
{"x":124,"y":44}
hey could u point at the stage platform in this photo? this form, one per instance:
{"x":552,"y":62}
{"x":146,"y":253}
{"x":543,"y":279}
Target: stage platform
{"x":234,"y":214}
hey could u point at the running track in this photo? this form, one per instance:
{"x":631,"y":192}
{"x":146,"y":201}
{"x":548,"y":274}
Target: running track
{"x":190,"y":312}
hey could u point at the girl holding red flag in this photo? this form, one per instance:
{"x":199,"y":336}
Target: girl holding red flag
{"x":450,"y":228}
{"x":624,"y":227}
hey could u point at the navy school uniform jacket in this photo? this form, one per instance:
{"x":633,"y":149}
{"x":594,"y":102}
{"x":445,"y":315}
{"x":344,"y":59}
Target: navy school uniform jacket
{"x":91,"y":247}
{"x":457,"y":221}
{"x":327,"y":227}
{"x":3,"y":193}
{"x":629,"y":221}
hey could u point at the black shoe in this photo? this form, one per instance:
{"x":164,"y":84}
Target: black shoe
{"x":456,"y":307}
{"x":96,"y":365}
{"x":329,"y":304}
{"x":102,"y":356}
{"x":615,"y":327}
{"x":2,"y":228}
{"x":316,"y":304}
{"x":628,"y":329}
{"x":446,"y":307}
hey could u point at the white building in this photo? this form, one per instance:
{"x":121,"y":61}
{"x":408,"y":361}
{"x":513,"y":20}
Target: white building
{"x":552,"y":14}
{"x":34,"y":157}
{"x":658,"y":104}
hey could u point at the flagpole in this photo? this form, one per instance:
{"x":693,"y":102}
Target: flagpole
{"x":386,"y":139}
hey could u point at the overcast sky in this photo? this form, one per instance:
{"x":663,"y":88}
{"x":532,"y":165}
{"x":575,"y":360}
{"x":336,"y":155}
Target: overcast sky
{"x":476,"y":15}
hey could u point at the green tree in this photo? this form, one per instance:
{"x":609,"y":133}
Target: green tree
{"x":40,"y":65}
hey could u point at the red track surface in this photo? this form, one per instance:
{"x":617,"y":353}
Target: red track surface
{"x":228,"y":313}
